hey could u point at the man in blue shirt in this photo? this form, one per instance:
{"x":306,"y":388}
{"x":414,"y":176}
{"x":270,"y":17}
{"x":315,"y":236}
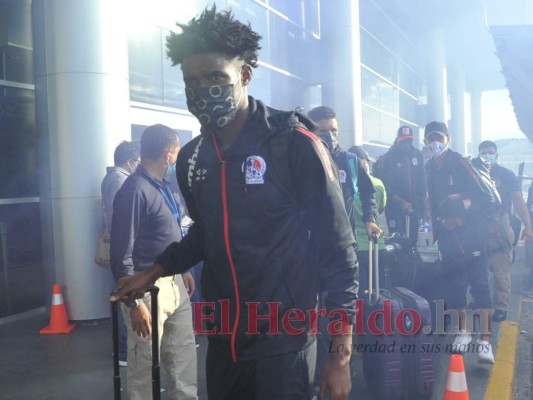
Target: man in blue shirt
{"x":145,"y":221}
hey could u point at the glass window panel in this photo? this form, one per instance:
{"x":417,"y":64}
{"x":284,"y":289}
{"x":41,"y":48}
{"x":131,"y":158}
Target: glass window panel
{"x":260,"y":85}
{"x":296,"y":50}
{"x":288,"y":92}
{"x":312,"y":16}
{"x":379,"y":93}
{"x":397,"y":70}
{"x":173,"y":86}
{"x":16,"y":47}
{"x":371,"y":125}
{"x":378,"y":127}
{"x":145,"y":63}
{"x":21,"y":269}
{"x":389,"y":34}
{"x":258,"y":17}
{"x":408,"y":108}
{"x":18,"y":143}
{"x":293,"y":9}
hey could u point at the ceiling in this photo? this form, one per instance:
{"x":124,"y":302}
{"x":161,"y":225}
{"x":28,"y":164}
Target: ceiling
{"x":514,"y":45}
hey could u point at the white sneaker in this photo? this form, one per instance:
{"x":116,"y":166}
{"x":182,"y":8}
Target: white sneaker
{"x":485,"y":356}
{"x":461,"y":341}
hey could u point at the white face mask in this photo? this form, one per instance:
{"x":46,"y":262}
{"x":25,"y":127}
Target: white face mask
{"x":489,"y":159}
{"x":435,"y":149}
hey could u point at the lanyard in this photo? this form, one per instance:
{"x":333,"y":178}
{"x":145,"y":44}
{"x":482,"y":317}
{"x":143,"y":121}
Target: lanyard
{"x":171,"y":202}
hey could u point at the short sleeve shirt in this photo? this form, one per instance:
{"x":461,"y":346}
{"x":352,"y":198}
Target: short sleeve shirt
{"x":506,"y":182}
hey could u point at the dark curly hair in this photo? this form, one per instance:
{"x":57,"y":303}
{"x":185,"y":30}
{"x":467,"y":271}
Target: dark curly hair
{"x":216,"y":32}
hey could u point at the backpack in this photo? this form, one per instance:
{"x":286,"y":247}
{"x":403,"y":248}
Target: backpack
{"x":485,"y":184}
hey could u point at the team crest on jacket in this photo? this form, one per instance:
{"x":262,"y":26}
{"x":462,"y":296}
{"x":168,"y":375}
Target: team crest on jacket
{"x":342,"y":175}
{"x":255,"y":168}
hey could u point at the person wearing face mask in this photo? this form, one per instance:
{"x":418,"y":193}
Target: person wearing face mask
{"x":362,"y":243}
{"x":501,"y":237}
{"x":354,"y":178}
{"x":460,"y":206}
{"x":403,"y":175}
{"x":126,"y":158}
{"x":269,"y":224}
{"x":146,"y":219}
{"x":357,"y":187}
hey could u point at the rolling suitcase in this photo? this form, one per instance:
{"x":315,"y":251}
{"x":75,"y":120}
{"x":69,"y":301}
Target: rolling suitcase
{"x":402,"y":273}
{"x":397,"y":360}
{"x":156,"y":379}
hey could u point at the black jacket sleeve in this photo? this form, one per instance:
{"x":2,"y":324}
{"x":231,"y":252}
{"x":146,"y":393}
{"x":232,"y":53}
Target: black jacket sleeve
{"x":319,"y":193}
{"x":178,"y":257}
{"x":366,"y":194}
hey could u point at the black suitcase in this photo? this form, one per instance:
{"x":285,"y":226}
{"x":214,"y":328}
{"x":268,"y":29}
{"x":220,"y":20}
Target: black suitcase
{"x":407,"y":257}
{"x":156,"y":379}
{"x":397,"y":366}
{"x":428,"y":278}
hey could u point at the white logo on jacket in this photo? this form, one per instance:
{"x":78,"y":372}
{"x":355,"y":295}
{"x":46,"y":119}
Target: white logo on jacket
{"x":255,"y":168}
{"x":342,"y":175}
{"x":192,"y":162}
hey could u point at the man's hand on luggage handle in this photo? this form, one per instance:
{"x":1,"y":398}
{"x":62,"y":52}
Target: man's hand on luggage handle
{"x":134,"y":286}
{"x":371,"y":229}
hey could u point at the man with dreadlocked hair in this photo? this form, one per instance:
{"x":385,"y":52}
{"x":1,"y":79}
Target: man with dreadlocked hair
{"x":269,"y":224}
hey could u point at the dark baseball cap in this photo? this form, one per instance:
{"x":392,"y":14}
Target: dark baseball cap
{"x":404,"y":132}
{"x":360,"y":152}
{"x":322,"y":112}
{"x":436,"y":127}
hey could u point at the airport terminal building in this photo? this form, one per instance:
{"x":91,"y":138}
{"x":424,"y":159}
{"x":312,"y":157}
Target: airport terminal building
{"x":79,"y":76}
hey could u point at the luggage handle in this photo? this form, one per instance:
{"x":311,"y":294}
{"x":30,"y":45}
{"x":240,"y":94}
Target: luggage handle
{"x":407,"y":224}
{"x":116,"y":369}
{"x":373,"y":258}
{"x":156,"y":381}
{"x":156,"y":377}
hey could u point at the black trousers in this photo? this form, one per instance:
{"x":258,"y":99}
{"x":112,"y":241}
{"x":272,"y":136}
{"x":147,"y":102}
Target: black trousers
{"x":465,"y":262}
{"x":287,"y":376}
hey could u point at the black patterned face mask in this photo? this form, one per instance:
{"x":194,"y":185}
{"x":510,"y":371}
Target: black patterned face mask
{"x":214,"y":106}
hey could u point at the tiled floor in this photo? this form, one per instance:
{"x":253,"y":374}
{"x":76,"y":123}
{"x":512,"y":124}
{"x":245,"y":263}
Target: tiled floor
{"x":56,"y":367}
{"x":78,"y":366}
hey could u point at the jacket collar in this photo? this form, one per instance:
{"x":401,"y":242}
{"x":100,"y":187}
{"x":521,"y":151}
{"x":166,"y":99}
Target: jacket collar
{"x":117,"y":169}
{"x":263,"y":122}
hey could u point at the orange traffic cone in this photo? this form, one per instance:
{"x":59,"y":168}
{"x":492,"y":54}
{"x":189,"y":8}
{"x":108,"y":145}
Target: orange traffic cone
{"x":58,"y":315}
{"x":456,"y":388}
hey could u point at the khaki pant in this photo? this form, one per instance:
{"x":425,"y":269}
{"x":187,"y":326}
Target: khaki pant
{"x":176,"y":343}
{"x":500,"y":257}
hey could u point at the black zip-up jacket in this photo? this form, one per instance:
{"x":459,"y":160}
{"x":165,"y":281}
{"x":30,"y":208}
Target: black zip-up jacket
{"x":403,"y":176}
{"x":263,"y":237}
